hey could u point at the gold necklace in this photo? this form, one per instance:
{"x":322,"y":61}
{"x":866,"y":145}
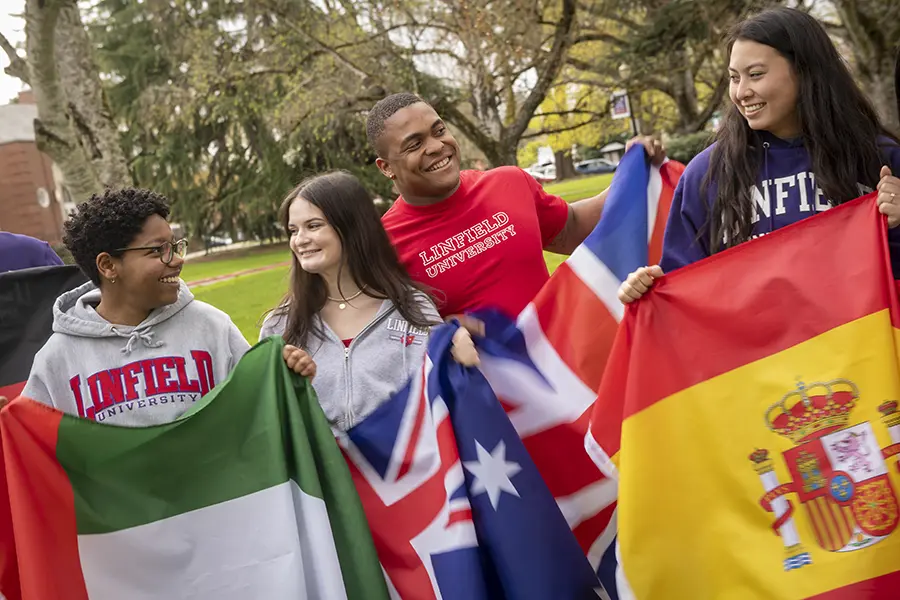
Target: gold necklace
{"x":343,"y":301}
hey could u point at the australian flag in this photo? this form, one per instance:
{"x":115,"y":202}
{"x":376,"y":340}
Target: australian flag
{"x":475,"y":482}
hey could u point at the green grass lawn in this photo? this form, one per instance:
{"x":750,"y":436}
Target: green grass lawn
{"x":234,"y":261}
{"x":580,"y":188}
{"x":247,"y":298}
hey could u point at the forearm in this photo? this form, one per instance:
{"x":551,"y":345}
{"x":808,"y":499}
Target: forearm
{"x":583,"y":218}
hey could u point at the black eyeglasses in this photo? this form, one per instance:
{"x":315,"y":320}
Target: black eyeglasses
{"x":167,"y":250}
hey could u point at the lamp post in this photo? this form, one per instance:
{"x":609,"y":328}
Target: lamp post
{"x":625,"y":74}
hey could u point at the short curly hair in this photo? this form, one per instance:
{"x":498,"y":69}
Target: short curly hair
{"x":384,"y":110}
{"x":107,"y":222}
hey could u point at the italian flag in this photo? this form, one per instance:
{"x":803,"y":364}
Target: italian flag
{"x":246,"y":496}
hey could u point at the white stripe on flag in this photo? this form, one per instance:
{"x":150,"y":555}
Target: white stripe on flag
{"x":598,"y":278}
{"x":601,"y":544}
{"x":588,"y":501}
{"x":274,"y":544}
{"x":540,"y":404}
{"x":599,"y":456}
{"x":654,"y":191}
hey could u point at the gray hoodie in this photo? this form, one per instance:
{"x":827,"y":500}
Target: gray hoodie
{"x":137,"y":376}
{"x":353,"y":381}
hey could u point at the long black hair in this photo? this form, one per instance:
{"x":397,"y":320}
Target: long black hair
{"x":838,"y":124}
{"x":366,"y":251}
{"x":897,"y":80}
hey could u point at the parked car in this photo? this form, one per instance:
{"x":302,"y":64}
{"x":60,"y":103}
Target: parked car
{"x":543,"y":174}
{"x":214,"y":241}
{"x":595,"y":166}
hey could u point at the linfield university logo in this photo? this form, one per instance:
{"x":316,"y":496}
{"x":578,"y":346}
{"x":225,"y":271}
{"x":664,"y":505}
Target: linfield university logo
{"x":469,"y":243}
{"x":405,"y":333}
{"x":838,"y":472}
{"x":150,"y":382}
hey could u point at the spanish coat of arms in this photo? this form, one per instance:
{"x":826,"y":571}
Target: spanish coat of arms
{"x":838,"y":471}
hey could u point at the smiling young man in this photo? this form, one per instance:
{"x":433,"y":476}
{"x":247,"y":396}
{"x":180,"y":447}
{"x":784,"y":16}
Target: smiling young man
{"x":475,"y":238}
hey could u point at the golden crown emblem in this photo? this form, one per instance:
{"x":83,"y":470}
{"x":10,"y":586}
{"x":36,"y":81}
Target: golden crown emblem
{"x":814,"y":410}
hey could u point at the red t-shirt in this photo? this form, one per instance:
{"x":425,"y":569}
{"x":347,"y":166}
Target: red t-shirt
{"x":483,"y":246}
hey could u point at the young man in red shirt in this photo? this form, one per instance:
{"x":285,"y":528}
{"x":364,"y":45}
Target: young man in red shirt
{"x":474,"y":238}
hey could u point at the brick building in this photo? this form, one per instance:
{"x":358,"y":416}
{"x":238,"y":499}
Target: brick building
{"x":32,"y":197}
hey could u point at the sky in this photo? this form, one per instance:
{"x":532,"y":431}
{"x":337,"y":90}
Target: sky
{"x":14,"y":30}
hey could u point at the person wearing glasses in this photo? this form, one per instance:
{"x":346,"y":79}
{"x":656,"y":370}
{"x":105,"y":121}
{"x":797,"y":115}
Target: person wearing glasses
{"x":132,"y":346}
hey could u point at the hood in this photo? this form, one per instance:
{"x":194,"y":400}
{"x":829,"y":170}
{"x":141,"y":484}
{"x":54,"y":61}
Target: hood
{"x":74,"y":314}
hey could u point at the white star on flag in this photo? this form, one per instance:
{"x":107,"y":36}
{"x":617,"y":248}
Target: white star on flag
{"x":492,"y":473}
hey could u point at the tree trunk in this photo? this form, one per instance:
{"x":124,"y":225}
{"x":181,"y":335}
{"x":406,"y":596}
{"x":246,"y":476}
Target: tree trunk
{"x":74,"y":126}
{"x":871,"y":30}
{"x":880,"y":89}
{"x":565,"y":168}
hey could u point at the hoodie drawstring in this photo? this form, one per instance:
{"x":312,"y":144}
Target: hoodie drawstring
{"x":405,"y":344}
{"x":766,"y":183}
{"x":144,"y":335}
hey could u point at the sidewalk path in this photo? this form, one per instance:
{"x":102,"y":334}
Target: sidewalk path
{"x":227,"y":276}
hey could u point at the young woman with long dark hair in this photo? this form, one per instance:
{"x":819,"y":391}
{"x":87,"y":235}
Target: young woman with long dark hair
{"x":351,"y":309}
{"x":799,"y":137}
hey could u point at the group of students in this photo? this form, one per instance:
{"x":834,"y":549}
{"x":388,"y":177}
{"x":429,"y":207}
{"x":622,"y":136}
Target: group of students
{"x":133,"y":347}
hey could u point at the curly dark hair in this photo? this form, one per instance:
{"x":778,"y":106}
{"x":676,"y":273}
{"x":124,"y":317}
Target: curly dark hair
{"x":384,"y":110}
{"x":109,"y":221}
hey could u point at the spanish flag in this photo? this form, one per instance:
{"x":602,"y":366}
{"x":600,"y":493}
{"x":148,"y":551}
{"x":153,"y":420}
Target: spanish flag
{"x":751,"y":412}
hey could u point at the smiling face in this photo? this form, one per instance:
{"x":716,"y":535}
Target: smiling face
{"x":314,"y":241}
{"x":140,"y":274}
{"x":418,"y":152}
{"x":764,"y":89}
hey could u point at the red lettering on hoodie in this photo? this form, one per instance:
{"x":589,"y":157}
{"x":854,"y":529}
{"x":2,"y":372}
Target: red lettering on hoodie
{"x":185,"y":384}
{"x":204,"y":364}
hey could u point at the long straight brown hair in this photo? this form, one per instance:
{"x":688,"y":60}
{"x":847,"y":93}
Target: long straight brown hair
{"x":838,"y":124}
{"x":366,"y":251}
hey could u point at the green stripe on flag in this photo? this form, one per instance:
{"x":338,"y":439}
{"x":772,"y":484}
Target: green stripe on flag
{"x":259,"y":429}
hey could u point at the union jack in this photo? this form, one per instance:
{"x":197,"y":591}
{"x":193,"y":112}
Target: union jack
{"x":408,"y":458}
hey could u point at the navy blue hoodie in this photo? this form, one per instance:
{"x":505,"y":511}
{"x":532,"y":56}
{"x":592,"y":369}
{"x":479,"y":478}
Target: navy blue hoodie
{"x":785,"y":193}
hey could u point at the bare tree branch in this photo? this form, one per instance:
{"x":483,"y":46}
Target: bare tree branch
{"x":542,"y":132}
{"x":550,"y":69}
{"x":17,"y":66}
{"x":599,"y":36}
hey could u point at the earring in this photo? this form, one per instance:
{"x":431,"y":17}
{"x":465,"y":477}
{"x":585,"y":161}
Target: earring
{"x":113,"y":280}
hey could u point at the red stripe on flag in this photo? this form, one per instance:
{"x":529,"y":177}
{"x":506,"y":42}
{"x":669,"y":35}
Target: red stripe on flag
{"x":886,"y":587}
{"x":577,"y":324}
{"x":12,"y":390}
{"x":421,"y":405}
{"x":409,"y":516}
{"x":458,"y":516}
{"x":670,"y":173}
{"x":695,"y":318}
{"x":558,"y":453}
{"x":42,"y":505}
{"x":590,"y":529}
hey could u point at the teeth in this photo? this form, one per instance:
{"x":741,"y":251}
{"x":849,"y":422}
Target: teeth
{"x":169,"y":279}
{"x":439,"y":165}
{"x":753,"y":107}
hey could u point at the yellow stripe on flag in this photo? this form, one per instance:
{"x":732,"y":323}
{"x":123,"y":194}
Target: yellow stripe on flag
{"x":690,"y":491}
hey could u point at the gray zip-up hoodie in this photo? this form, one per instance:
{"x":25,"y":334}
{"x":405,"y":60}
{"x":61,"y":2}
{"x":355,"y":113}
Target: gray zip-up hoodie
{"x":353,"y":381}
{"x":137,"y":376}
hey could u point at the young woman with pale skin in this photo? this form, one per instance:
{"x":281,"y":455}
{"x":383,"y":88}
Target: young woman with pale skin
{"x":799,"y":138}
{"x":352,"y":315}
